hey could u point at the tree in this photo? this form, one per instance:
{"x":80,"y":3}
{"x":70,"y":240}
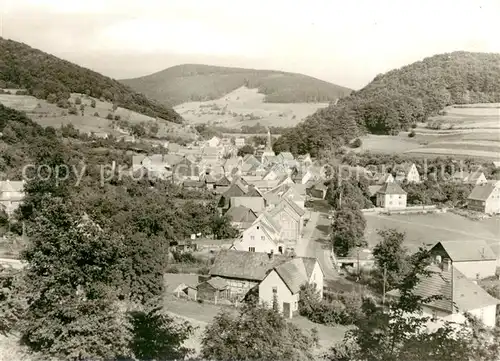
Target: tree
{"x":246,"y":149}
{"x":93,"y":103}
{"x":12,"y":299}
{"x":157,"y":336}
{"x":109,"y":116}
{"x":391,"y":256}
{"x":72,"y":311}
{"x":78,"y":101}
{"x":348,"y":231}
{"x":222,"y":228}
{"x":256,"y":333}
{"x":399,"y":331}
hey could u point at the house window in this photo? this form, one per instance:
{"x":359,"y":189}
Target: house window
{"x":251,"y":249}
{"x":280,"y":249}
{"x":275,"y":289}
{"x":252,"y":238}
{"x":434,"y":314}
{"x":262,"y":238}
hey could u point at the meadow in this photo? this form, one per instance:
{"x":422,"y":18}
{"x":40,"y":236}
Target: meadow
{"x":461,"y":131}
{"x":93,"y":120}
{"x":246,"y":106}
{"x":426,"y":229}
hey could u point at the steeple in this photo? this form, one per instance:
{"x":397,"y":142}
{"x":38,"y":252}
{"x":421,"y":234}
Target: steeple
{"x":269,"y":145}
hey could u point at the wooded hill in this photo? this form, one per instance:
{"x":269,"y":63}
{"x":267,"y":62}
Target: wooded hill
{"x":197,"y":82}
{"x":399,"y":98}
{"x":48,"y":77}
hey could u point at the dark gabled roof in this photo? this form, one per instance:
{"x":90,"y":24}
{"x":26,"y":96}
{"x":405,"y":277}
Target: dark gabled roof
{"x":293,"y":273}
{"x":482,"y":192}
{"x":241,"y":214}
{"x":253,"y":192}
{"x":391,"y":188}
{"x":252,"y":266}
{"x":458,"y":294}
{"x":193,"y":184}
{"x":234,"y":191}
{"x":222,"y":182}
{"x":217,"y":283}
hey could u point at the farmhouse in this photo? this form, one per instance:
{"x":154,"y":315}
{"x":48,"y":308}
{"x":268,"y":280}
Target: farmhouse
{"x":11,"y":195}
{"x":291,"y":219}
{"x":268,"y":276}
{"x":485,"y":198}
{"x":263,"y":236}
{"x":317,"y":190}
{"x":214,"y":142}
{"x":239,"y":142}
{"x":473,"y":178}
{"x":408,"y":173}
{"x":457,"y":295}
{"x":391,"y":196}
{"x":213,"y":289}
{"x":474,"y":259}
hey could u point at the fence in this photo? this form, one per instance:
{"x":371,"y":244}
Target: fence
{"x":410,"y":209}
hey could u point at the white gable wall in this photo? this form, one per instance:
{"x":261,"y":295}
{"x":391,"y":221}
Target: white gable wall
{"x":256,"y":237}
{"x":283,"y":292}
{"x":317,"y":278}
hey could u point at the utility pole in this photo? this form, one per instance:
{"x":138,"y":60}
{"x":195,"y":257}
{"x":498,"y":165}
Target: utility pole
{"x":385,"y":280}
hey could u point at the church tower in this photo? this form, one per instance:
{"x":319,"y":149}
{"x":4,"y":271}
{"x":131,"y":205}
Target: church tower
{"x":268,"y":151}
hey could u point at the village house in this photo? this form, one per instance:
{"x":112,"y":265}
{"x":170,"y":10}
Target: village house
{"x":475,"y":259}
{"x":407,"y":172}
{"x":391,"y":196}
{"x":270,"y":277}
{"x":213,"y":142}
{"x":11,"y":195}
{"x":251,"y":199}
{"x":473,"y":178}
{"x":291,"y":219}
{"x":456,"y":294}
{"x":313,"y":174}
{"x":485,"y":198}
{"x":317,"y":189}
{"x":193,"y":185}
{"x":239,"y":142}
{"x":304,"y":160}
{"x":263,"y":236}
{"x":384,"y":178}
{"x":236,"y":189}
{"x":214,"y":289}
{"x":186,"y":170}
{"x":241,"y":217}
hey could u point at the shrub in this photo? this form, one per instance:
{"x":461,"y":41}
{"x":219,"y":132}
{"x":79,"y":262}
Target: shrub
{"x":109,"y":116}
{"x":96,"y":114}
{"x":73,"y":111}
{"x":414,"y":125}
{"x":412,"y":134}
{"x":92,"y":103}
{"x":117,"y":117}
{"x":357,"y":143}
{"x":78,"y":100}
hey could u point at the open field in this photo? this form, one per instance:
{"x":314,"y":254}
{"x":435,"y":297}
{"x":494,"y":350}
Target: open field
{"x":464,"y":131}
{"x":246,"y":107}
{"x":47,"y":114}
{"x":429,"y":228}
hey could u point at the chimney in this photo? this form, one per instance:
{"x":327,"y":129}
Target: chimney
{"x":446,"y":264}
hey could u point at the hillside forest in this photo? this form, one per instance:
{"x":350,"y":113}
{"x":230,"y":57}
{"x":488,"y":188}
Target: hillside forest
{"x":47,"y":77}
{"x":397,"y":100}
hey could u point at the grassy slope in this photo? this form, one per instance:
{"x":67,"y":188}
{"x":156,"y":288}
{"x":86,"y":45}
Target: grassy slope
{"x":246,"y":107}
{"x":45,"y":76}
{"x":47,"y":114}
{"x":195,"y":82}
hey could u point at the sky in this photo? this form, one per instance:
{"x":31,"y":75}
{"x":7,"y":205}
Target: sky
{"x":344,"y":42}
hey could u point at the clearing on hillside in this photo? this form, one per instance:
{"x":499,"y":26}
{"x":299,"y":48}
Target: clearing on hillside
{"x":246,"y":107}
{"x":463,"y":131}
{"x":94,"y":119}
